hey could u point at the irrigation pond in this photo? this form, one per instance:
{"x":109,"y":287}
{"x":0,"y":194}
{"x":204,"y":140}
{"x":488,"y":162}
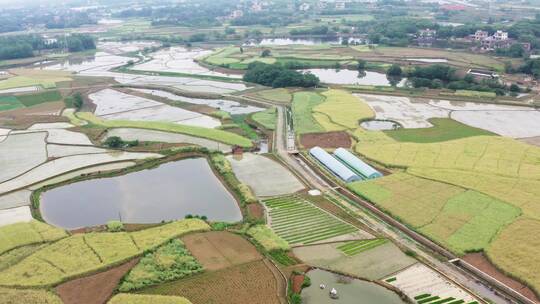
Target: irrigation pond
{"x":349,"y":290}
{"x":379,"y":125}
{"x":168,"y":192}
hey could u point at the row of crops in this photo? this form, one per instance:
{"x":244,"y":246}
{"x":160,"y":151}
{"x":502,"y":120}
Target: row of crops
{"x":431,"y":299}
{"x":356,"y":247}
{"x":298,"y":221}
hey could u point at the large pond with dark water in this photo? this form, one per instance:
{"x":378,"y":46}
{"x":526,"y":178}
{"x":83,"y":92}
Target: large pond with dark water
{"x":351,"y":77}
{"x":168,"y":192}
{"x":349,"y":290}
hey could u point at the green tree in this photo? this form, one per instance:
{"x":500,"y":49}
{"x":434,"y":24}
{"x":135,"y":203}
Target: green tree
{"x":77,"y":100}
{"x":361,"y":65}
{"x":266,"y":53}
{"x":394,"y":70}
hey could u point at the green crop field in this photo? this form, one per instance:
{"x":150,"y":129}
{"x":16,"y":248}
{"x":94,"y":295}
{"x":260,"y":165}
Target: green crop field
{"x":266,"y":118}
{"x":462,"y":220}
{"x":356,"y":247}
{"x":298,"y":221}
{"x":427,"y":298}
{"x":443,"y":129}
{"x":170,"y":261}
{"x":302,"y":107}
{"x":22,"y":234}
{"x":212,"y":134}
{"x":9,"y":103}
{"x":279,"y":95}
{"x":39,"y":98}
{"x":88,"y":253}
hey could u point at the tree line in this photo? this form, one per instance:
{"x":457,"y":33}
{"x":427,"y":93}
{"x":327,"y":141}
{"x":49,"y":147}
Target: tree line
{"x":278,"y":76}
{"x":25,"y":46}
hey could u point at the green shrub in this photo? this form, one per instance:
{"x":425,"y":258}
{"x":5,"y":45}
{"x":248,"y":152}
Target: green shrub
{"x":169,"y":262}
{"x":115,"y":226}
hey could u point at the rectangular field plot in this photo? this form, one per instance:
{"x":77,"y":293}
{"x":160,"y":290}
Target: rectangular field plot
{"x":300,"y":222}
{"x":356,"y":247}
{"x":425,"y":285}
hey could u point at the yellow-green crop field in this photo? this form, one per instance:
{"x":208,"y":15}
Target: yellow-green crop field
{"x":280,"y":95}
{"x":341,"y":111}
{"x":8,"y":296}
{"x":461,"y":220}
{"x":515,"y":250}
{"x":267,"y":238}
{"x":28,"y":78}
{"x":87,"y":253}
{"x":125,"y":298}
{"x":212,"y":134}
{"x":22,"y":234}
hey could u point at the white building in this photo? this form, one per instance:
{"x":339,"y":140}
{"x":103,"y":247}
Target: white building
{"x":500,"y":36}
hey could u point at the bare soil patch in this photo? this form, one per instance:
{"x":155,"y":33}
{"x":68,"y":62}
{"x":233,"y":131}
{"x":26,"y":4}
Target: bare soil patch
{"x":479,"y":261}
{"x":25,"y":117}
{"x":297,"y":281}
{"x":256,"y":210}
{"x":253,"y":283}
{"x":94,"y":289}
{"x":535,"y":141}
{"x":220,"y":249}
{"x":326,"y":140}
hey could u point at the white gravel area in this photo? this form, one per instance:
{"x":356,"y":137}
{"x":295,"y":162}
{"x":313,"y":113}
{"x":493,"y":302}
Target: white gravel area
{"x":52,"y":125}
{"x":110,"y":101}
{"x":159,"y":136}
{"x":114,"y":105}
{"x":505,"y":120}
{"x":265,"y":176}
{"x":15,"y":199}
{"x":515,"y":124}
{"x":102,"y":62}
{"x":420,"y":279}
{"x":57,"y":151}
{"x":20,"y":153}
{"x":180,"y":60}
{"x":66,"y":164}
{"x":402,"y":110}
{"x":20,"y":90}
{"x":15,"y":215}
{"x":230,"y":106}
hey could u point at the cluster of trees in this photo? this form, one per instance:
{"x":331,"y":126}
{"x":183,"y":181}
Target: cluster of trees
{"x":531,"y":67}
{"x":278,"y":76}
{"x":317,"y":30}
{"x":116,"y":142}
{"x":439,"y":76}
{"x":79,"y":42}
{"x":24,"y":46}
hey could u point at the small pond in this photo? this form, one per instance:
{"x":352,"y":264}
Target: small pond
{"x":351,"y":77}
{"x":379,"y":125}
{"x":168,"y":192}
{"x":349,"y":290}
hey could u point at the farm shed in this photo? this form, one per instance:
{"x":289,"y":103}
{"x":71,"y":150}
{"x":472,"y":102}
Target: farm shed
{"x":356,"y":163}
{"x":332,"y":164}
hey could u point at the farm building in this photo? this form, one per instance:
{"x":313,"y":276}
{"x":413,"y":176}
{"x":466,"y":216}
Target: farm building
{"x":332,"y":164}
{"x":356,"y":164}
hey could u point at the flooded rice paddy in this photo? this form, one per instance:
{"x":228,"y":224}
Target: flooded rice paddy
{"x":233,"y":107}
{"x":349,"y":290}
{"x":303,"y":41}
{"x":351,"y":77}
{"x":169,"y":192}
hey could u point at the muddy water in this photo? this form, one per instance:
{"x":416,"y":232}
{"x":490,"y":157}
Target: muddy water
{"x":350,"y":291}
{"x":379,"y":125}
{"x":169,"y":192}
{"x":351,"y":77}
